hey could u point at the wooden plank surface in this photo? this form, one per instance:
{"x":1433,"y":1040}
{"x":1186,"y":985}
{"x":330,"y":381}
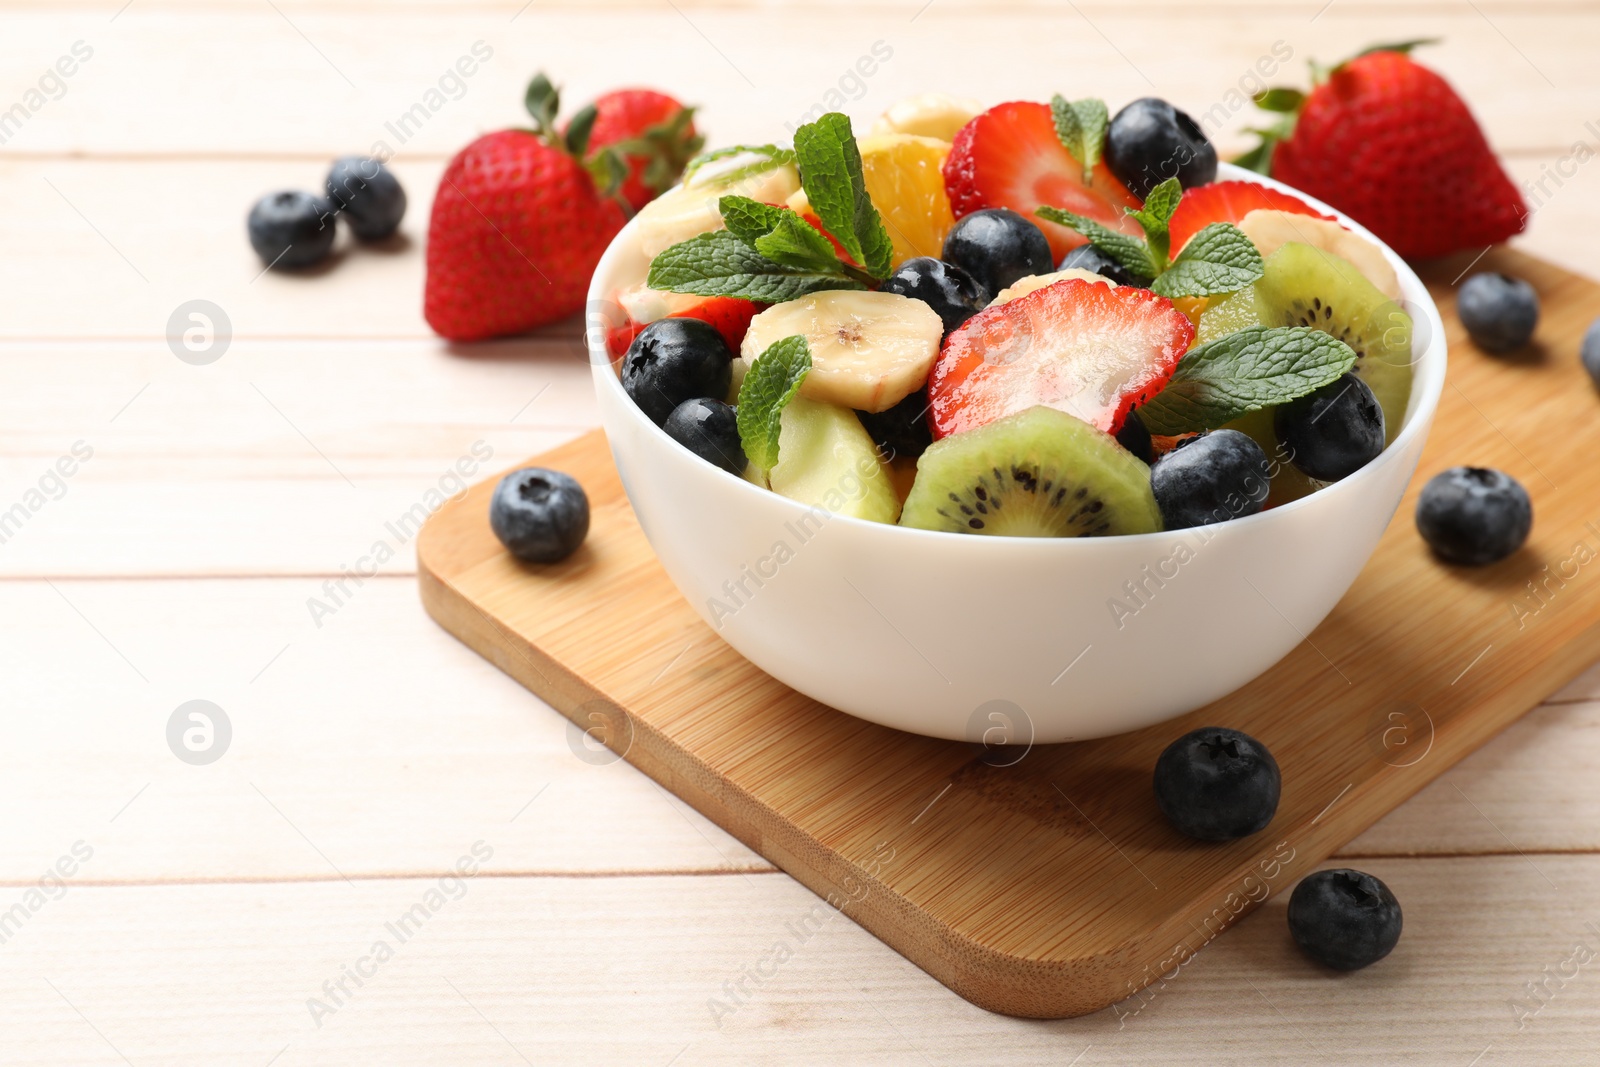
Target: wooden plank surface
{"x":167,"y":117}
{"x":1018,"y":896}
{"x":525,"y":970}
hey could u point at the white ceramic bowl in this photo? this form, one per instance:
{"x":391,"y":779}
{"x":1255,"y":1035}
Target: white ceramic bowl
{"x":1001,"y":639}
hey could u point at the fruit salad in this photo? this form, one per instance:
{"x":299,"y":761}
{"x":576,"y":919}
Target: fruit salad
{"x":1057,"y":324}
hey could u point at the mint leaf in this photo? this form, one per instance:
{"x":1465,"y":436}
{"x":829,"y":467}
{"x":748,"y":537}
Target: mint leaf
{"x":779,"y":234}
{"x":1154,"y":217}
{"x":830,"y":173}
{"x":720,"y":264}
{"x":772,"y":157}
{"x":1218,"y":259}
{"x":1257,"y":367}
{"x":794,"y":242}
{"x":771,"y":382}
{"x":1130,"y":252}
{"x":1081,"y":126}
{"x":749,"y":220}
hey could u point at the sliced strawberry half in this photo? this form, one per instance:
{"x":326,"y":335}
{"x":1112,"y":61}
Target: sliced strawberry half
{"x":1076,"y":346}
{"x":1010,"y":156}
{"x":642,"y":306}
{"x":1229,"y":202}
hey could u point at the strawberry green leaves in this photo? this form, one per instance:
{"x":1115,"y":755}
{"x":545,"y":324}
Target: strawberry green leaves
{"x":830,"y":173}
{"x":1257,"y":367}
{"x":770,"y":254}
{"x":1081,"y":126}
{"x":1218,"y":259}
{"x":772,"y":381}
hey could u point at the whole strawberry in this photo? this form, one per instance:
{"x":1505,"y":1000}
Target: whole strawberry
{"x":1389,"y":143}
{"x":518,"y":226}
{"x":652,"y":133}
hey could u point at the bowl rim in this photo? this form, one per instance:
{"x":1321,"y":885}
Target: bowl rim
{"x":1429,"y":366}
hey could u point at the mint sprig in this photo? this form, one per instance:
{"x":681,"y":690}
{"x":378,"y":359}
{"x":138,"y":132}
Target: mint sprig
{"x":770,"y":157}
{"x":770,"y":383}
{"x":1256,"y":367}
{"x":1218,"y":259}
{"x":771,"y":254}
{"x":1081,"y":125}
{"x":830,"y":173}
{"x":719,"y":263}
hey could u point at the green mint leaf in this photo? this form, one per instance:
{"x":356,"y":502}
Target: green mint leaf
{"x":772,"y":381}
{"x":794,"y":242}
{"x":1154,"y":217}
{"x":772,"y":157}
{"x":1130,"y":252}
{"x":830,"y":173}
{"x":1257,"y":367}
{"x":1163,"y":202}
{"x":1081,"y":126}
{"x":1218,"y":259}
{"x":749,"y":220}
{"x":1282,"y":100}
{"x":779,"y":234}
{"x":720,"y":264}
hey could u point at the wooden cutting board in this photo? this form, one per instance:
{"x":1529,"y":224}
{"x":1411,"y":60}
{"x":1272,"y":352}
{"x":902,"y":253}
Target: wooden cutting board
{"x":1048,"y":884}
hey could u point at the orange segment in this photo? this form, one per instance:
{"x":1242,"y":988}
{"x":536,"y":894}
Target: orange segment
{"x":905,"y":180}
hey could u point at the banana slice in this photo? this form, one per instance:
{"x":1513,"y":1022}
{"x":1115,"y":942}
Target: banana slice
{"x":689,"y":210}
{"x":1270,"y":230}
{"x":1024,"y":286}
{"x":928,"y":115}
{"x":869,"y":351}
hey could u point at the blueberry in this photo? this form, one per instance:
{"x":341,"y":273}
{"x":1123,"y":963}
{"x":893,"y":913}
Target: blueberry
{"x":903,"y":429}
{"x":996,"y":246}
{"x":1150,"y":141}
{"x":368,"y":196}
{"x":539,"y":515}
{"x":1499,"y":312}
{"x":1334,"y":431}
{"x":1217,"y":784}
{"x":709,"y":429}
{"x":673,"y":360}
{"x":1136,"y":438}
{"x":945,"y":287}
{"x":1344,"y":919}
{"x":1474,"y":515}
{"x":1212,"y":478}
{"x":1589,"y":351}
{"x":291,"y":229}
{"x":1090,"y":258}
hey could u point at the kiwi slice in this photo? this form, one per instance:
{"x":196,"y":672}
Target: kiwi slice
{"x":1307,"y":286}
{"x":1039,"y":473}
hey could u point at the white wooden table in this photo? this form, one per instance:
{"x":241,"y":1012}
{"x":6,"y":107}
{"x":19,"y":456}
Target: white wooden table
{"x":208,"y":906}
